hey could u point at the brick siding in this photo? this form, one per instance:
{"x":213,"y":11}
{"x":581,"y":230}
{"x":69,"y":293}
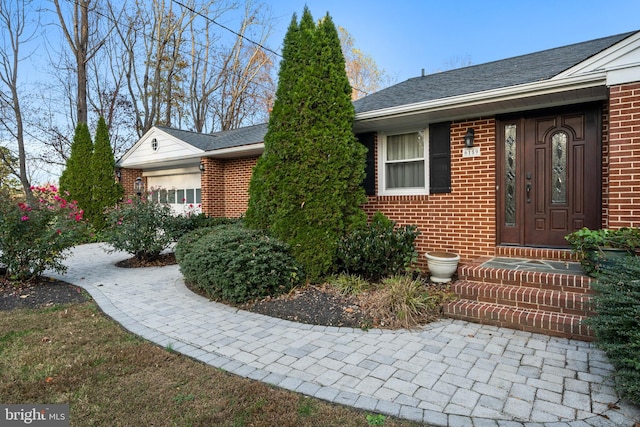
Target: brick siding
{"x":623,"y":208}
{"x":128,"y":178}
{"x":225,"y":186}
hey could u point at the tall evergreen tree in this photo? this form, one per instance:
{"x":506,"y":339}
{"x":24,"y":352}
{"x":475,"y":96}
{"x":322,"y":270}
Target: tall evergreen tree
{"x":106,"y":190}
{"x":306,"y":188}
{"x":76,"y":177}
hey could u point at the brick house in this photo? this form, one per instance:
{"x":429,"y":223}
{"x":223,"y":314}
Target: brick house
{"x":553,"y":145}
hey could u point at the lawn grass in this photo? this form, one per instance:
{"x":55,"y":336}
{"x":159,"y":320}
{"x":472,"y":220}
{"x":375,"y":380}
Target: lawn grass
{"x":75,"y":354}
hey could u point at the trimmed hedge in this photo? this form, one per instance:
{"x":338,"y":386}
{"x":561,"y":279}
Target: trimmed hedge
{"x":180,"y":225}
{"x":617,"y":323}
{"x":235,"y":264}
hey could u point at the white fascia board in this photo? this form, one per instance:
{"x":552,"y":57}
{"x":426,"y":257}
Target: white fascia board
{"x":545,"y":87}
{"x":239,"y":151}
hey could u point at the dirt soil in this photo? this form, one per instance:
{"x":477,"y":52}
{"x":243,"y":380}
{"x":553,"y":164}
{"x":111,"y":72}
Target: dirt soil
{"x":41,"y":293}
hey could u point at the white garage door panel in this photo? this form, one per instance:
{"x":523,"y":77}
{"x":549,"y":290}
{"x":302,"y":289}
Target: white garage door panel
{"x":184,"y":190}
{"x":174,"y":181}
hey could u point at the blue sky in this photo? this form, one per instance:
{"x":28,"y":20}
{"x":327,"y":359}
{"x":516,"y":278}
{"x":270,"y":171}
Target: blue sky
{"x":405,"y":36}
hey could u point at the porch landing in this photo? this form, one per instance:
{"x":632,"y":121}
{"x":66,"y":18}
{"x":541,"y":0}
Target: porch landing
{"x":528,"y":289}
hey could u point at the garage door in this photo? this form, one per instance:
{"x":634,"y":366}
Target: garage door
{"x":181,"y":192}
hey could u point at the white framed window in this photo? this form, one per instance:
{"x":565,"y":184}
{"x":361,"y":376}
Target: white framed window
{"x":403,"y":165}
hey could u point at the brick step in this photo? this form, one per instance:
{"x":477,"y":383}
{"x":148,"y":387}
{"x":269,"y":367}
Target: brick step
{"x":535,"y":321}
{"x":536,"y":253}
{"x":525,"y":297}
{"x":532,"y":279}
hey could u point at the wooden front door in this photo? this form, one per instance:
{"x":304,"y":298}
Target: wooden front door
{"x":549,"y":176}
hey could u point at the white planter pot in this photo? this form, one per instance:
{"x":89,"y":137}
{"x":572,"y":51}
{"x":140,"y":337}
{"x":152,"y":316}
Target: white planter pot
{"x":442,"y":265}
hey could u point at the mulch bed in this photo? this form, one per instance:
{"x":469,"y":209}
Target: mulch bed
{"x":314,"y":305}
{"x":41,"y":293}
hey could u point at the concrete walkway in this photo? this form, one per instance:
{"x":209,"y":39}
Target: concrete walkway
{"x":449,"y":373}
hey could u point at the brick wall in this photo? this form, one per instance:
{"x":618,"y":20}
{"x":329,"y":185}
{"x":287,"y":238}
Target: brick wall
{"x":212,"y":185}
{"x":127,"y":178}
{"x":236,"y":182}
{"x":225,"y":186}
{"x":605,"y":164}
{"x":624,"y":156}
{"x":462,"y":221}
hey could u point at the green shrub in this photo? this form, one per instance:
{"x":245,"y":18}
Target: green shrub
{"x":179,"y":225}
{"x":139,"y":227}
{"x":186,"y":242}
{"x":236,"y":264}
{"x":617,"y":323}
{"x":36,"y":238}
{"x":378,"y":250}
{"x":591,"y":245}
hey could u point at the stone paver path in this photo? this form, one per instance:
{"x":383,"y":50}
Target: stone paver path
{"x":449,"y":373}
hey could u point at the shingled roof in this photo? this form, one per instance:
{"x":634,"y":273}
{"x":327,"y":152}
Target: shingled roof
{"x":219,"y":140}
{"x":523,"y":69}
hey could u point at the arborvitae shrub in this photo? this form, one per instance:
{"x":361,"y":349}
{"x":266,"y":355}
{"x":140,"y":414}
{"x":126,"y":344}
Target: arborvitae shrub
{"x":378,"y":250}
{"x":236,"y":265}
{"x":105,"y":190}
{"x":306,"y":187}
{"x":617,"y":323}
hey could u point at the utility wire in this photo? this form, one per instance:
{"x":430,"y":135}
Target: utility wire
{"x":213,"y":21}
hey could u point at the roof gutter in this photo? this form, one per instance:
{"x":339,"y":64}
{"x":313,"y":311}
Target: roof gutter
{"x":545,"y":87}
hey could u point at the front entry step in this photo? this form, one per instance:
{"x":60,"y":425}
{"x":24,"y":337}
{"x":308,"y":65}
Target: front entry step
{"x":535,"y":321}
{"x":524,"y":297}
{"x":547,"y":294}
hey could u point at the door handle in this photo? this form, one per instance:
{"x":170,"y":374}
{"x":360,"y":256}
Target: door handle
{"x":528,"y":188}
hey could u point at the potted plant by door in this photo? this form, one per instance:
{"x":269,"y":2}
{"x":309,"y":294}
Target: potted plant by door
{"x":600,"y":249}
{"x":442,"y":265}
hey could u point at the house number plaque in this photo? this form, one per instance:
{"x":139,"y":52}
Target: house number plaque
{"x":471,"y":152}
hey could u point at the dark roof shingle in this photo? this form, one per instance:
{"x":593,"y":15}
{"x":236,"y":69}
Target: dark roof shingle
{"x":220,"y":140}
{"x":492,"y":75}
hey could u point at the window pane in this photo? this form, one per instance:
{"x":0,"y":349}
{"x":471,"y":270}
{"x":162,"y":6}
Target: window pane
{"x":406,"y":146}
{"x":559,"y":167}
{"x":198,"y":195}
{"x":171,"y":196}
{"x":163,"y":196}
{"x":180,"y":196}
{"x":190,"y":195}
{"x":405,"y":175}
{"x":510,"y":177}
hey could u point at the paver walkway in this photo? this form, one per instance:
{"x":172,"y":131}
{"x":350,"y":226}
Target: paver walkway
{"x":449,"y":373}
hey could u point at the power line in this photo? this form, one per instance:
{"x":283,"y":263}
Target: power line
{"x":213,"y":21}
{"x":241,"y":35}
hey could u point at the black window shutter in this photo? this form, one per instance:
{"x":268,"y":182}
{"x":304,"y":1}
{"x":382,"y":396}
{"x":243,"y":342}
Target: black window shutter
{"x":369,"y":141}
{"x":440,"y":157}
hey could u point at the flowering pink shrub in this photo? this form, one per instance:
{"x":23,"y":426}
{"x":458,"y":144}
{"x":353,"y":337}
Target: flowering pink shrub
{"x":36,"y":238}
{"x":139,"y":227}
